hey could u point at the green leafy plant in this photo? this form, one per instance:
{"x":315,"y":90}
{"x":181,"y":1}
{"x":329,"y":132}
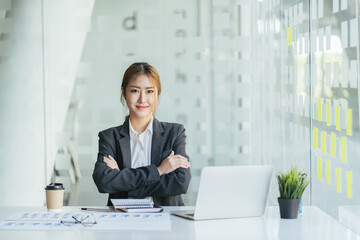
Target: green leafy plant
{"x":292,"y":184}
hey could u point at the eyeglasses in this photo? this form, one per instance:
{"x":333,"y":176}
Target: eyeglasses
{"x":87,"y":219}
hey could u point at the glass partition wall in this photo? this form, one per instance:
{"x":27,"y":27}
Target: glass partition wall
{"x":308,"y":61}
{"x":335,"y":107}
{"x":254,"y":82}
{"x":280,"y":60}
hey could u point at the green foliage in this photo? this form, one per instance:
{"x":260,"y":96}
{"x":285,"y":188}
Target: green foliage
{"x":292,"y":184}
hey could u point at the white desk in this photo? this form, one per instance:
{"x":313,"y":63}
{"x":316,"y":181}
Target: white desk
{"x":311,"y":224}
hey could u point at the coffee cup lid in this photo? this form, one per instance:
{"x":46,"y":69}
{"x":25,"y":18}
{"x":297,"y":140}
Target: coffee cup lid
{"x":55,"y":186}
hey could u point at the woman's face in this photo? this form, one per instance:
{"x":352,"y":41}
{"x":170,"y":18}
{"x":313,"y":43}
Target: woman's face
{"x":140,"y":96}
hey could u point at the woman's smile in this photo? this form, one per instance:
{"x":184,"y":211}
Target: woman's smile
{"x":142,"y":107}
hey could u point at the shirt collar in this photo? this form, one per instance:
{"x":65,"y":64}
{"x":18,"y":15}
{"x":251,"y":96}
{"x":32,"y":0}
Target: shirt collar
{"x":148,"y":128}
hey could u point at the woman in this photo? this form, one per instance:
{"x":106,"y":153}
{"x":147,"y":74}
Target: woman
{"x":143,"y":157}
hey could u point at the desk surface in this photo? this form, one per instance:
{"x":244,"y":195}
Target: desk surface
{"x":311,"y":224}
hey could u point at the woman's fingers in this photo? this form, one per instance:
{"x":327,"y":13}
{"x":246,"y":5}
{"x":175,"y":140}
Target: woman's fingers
{"x":182,"y":160}
{"x":179,"y":161}
{"x":177,"y":156}
{"x":182,"y":157}
{"x":110,"y":162}
{"x":106,"y":160}
{"x":185,"y":164}
{"x":173,"y":162}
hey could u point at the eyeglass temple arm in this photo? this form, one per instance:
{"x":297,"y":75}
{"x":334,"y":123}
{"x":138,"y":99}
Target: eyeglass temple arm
{"x":76,"y":220}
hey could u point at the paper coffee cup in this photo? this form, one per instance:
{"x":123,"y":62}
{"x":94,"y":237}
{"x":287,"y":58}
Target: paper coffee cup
{"x":54,"y":196}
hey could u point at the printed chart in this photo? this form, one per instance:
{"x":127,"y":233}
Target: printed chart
{"x":109,"y":221}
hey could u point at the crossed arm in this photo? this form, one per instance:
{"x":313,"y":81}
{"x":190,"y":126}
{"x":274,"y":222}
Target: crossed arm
{"x":168,"y":165}
{"x":170,"y":178}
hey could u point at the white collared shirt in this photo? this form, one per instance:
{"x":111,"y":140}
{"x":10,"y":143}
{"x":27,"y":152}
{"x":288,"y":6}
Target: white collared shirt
{"x":140,"y":146}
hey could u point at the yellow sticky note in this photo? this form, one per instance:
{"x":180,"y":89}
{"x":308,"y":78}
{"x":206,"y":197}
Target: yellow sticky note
{"x":319,"y":169}
{"x":343,"y":149}
{"x":337,"y":117}
{"x":338,"y":180}
{"x":349,"y":184}
{"x":315,"y":138}
{"x":288,"y":36}
{"x":348,"y":121}
{"x":323,"y":142}
{"x":328,"y":113}
{"x":328,"y":171}
{"x":332,"y":143}
{"x":319,"y":110}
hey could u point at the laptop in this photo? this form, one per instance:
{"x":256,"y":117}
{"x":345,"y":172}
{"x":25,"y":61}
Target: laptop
{"x":231,"y":192}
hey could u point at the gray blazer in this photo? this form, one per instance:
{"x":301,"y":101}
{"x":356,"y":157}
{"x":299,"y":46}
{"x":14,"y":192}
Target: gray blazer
{"x":143,"y":181}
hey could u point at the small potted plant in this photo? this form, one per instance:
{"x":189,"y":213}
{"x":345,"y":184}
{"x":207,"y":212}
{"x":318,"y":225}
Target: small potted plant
{"x":291,"y":186}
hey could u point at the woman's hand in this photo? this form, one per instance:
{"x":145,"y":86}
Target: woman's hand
{"x":172,"y":162}
{"x":110,"y":162}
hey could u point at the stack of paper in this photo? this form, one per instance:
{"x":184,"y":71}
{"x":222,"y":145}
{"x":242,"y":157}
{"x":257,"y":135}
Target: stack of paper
{"x":135,"y":205}
{"x":132,"y":203}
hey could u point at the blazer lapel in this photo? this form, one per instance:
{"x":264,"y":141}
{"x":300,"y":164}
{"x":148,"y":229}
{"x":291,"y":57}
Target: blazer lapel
{"x":157,"y":142}
{"x":125,"y":144}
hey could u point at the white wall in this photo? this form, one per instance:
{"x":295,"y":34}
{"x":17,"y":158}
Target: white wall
{"x":64,"y":36}
{"x":22,"y":148}
{"x":40,"y":48}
